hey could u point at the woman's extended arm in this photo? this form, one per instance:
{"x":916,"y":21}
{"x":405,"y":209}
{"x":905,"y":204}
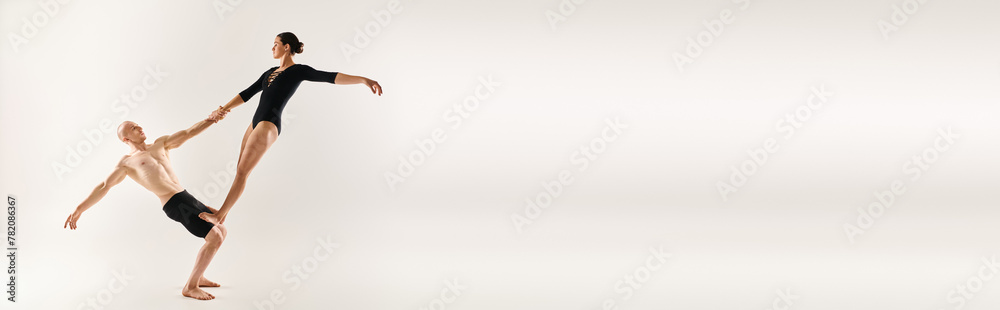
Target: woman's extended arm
{"x":343,"y":78}
{"x":246,"y":94}
{"x":314,"y":75}
{"x":235,"y":102}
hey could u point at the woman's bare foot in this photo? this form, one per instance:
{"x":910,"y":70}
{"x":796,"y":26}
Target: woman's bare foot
{"x":212,"y":218}
{"x":206,"y":283}
{"x":197,"y":293}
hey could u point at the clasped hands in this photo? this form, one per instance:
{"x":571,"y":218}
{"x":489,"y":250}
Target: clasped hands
{"x":217,"y":115}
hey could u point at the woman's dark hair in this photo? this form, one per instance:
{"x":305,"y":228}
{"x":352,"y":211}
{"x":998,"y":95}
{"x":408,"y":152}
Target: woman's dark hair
{"x":292,"y":41}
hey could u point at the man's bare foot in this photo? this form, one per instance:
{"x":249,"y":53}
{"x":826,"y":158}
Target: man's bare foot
{"x":197,"y":293}
{"x":214,"y":210}
{"x":206,"y":283}
{"x":211,"y":218}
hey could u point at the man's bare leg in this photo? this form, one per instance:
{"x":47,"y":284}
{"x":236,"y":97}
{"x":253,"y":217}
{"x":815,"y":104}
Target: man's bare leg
{"x":206,"y":282}
{"x":212,"y":242}
{"x":203,"y":282}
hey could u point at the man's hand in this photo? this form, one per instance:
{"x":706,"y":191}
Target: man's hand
{"x":175,"y":140}
{"x":71,"y":221}
{"x":217,"y":115}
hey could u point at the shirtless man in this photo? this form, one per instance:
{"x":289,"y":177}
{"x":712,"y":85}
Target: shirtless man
{"x":149,"y":165}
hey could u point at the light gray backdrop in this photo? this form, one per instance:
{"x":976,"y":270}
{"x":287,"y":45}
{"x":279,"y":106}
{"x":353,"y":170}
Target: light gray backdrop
{"x":821,"y":107}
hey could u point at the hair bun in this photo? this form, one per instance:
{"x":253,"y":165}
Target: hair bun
{"x":293,"y":42}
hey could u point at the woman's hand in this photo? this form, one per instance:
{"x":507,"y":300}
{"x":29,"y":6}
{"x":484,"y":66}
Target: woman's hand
{"x":217,"y":115}
{"x":376,"y":89}
{"x":347,"y":79}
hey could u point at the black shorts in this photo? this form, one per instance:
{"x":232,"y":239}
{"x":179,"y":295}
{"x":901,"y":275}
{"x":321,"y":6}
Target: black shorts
{"x":184,"y":209}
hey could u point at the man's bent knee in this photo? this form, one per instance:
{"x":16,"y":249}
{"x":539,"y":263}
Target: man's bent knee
{"x":223,"y":230}
{"x":215,"y":236}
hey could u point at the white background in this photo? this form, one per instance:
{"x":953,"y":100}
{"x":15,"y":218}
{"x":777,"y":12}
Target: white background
{"x":655,"y":186}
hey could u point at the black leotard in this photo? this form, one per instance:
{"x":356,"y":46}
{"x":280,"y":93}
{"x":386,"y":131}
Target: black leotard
{"x":278,"y":87}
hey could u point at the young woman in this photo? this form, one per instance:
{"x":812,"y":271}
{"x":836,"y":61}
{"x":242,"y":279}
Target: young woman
{"x":277,"y":86}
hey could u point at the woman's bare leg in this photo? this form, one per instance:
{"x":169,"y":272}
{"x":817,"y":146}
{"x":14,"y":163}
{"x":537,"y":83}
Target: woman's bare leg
{"x":255,"y":145}
{"x":243,"y":144}
{"x":212,"y":242}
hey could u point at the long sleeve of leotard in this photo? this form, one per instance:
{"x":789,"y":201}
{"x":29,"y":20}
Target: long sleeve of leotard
{"x":254,"y":88}
{"x":310,"y":74}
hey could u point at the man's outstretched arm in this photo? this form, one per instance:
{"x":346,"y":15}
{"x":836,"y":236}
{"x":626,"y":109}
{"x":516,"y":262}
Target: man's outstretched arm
{"x":175,"y":140}
{"x":102,"y":189}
